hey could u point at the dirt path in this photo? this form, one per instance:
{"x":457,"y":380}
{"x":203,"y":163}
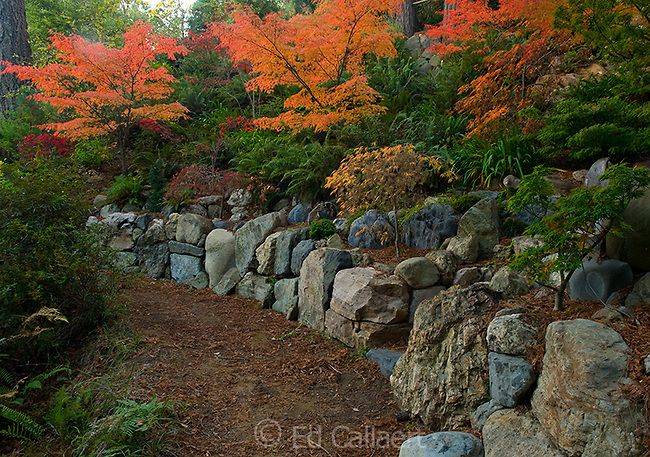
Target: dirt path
{"x":248,"y":377}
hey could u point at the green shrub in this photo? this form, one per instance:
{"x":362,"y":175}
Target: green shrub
{"x":125,"y":189}
{"x":47,"y":257}
{"x":321,"y":229}
{"x":459,"y":202}
{"x":91,"y":153}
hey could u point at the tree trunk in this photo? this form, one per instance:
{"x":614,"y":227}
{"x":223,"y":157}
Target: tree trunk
{"x":14,"y":47}
{"x":408,"y":19}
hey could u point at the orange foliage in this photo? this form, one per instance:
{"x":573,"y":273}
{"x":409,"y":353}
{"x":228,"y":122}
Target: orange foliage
{"x":494,"y":98}
{"x":106,"y":90}
{"x":320,"y":53}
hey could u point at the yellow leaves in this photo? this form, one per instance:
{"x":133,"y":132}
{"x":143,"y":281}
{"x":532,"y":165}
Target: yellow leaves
{"x":384,"y":178}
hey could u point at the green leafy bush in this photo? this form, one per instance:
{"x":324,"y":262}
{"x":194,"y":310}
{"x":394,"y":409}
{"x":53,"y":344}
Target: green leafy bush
{"x":125,"y":189}
{"x":47,"y":257}
{"x":575,"y":224}
{"x":91,"y":153}
{"x":321,"y":229}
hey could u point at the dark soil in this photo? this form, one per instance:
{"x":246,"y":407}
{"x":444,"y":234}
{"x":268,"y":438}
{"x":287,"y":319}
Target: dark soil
{"x":233,"y":367}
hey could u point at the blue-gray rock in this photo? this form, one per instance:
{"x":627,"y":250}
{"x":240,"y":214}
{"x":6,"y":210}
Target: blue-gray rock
{"x":176,"y":247}
{"x":125,"y":261}
{"x":442,"y":444}
{"x":300,"y":253}
{"x":154,"y":259}
{"x":324,"y":210}
{"x":598,"y":280}
{"x":640,"y":294}
{"x":256,"y":287}
{"x":510,"y":379}
{"x":219,"y":224}
{"x":250,"y":236}
{"x":592,"y":178}
{"x":285,"y":292}
{"x":227,"y":282}
{"x":483,"y":412}
{"x":298,"y":214}
{"x":143,"y":220}
{"x":200,"y":281}
{"x":372,"y":230}
{"x":284,"y":247}
{"x":429,"y":227}
{"x":184,"y":268}
{"x":316,"y":282}
{"x":342,"y":227}
{"x":385,"y":358}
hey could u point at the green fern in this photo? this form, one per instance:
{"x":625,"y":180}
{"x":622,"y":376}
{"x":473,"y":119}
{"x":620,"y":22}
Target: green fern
{"x":21,"y":426}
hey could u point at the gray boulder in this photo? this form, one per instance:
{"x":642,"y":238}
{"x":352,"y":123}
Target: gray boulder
{"x":442,"y":376}
{"x":482,"y":222}
{"x":219,"y":254}
{"x":509,"y":283}
{"x":483,"y":412}
{"x":418,"y":272}
{"x":250,"y":236}
{"x":184,"y":268}
{"x":300,"y":253}
{"x":466,"y":248}
{"x":510,"y":379}
{"x":125,"y":262}
{"x":509,"y":433}
{"x":372,"y":230}
{"x":598,"y":280}
{"x":192,"y":228}
{"x":298,"y":214}
{"x":442,"y":444}
{"x":184,"y":248}
{"x":580,"y":400}
{"x":510,"y":335}
{"x":467,"y":276}
{"x":633,"y":247}
{"x":640,"y":294}
{"x":385,"y":358}
{"x":284,"y":247}
{"x":265,"y":255}
{"x":447,"y":264}
{"x":240,"y":198}
{"x":428,"y":227}
{"x":228,"y":282}
{"x":154,"y":259}
{"x":419,"y":295}
{"x":365,"y":294}
{"x":286,"y":296}
{"x":316,"y":282}
{"x":592,"y":178}
{"x":256,"y":287}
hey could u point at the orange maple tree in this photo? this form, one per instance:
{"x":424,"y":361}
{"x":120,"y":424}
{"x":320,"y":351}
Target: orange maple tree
{"x":322,"y":54}
{"x":100,"y":90}
{"x":528,"y":46}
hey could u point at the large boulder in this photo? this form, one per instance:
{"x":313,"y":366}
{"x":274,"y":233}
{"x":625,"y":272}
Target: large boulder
{"x":265,"y":255}
{"x":372,"y":230}
{"x":634,"y":247}
{"x":298,"y":214}
{"x":429,"y":227}
{"x":640,"y":294}
{"x":510,"y":379}
{"x":580,"y":399}
{"x":185,"y":248}
{"x":184,"y":268}
{"x":509,"y":283}
{"x":509,"y":334}
{"x":284,"y":246}
{"x":256,"y":287}
{"x":219,"y":254}
{"x":418,"y":272}
{"x":228,"y":282}
{"x":509,"y":433}
{"x":385,"y":359}
{"x":464,"y":247}
{"x":442,"y":376}
{"x":447,"y":264}
{"x":250,"y":236}
{"x":316,"y":281}
{"x":285,"y":292}
{"x":442,"y":444}
{"x":299,"y":254}
{"x":598,"y":280}
{"x":192,"y":228}
{"x":365,"y":294}
{"x":154,"y":259}
{"x":482,"y":222}
{"x":419,"y":295}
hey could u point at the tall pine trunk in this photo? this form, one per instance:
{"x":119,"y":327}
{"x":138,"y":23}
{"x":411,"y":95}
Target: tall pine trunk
{"x":14,"y":47}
